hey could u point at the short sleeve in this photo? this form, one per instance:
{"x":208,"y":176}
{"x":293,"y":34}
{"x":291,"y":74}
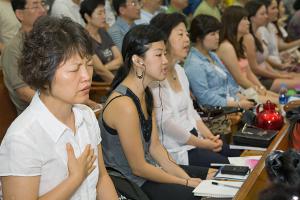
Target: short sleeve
{"x":95,"y":129}
{"x":106,"y":37}
{"x":9,"y":61}
{"x":19,"y":157}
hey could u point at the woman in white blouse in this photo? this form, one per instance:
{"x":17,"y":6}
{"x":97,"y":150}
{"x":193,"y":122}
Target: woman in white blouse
{"x":52,"y":150}
{"x":182,"y":131}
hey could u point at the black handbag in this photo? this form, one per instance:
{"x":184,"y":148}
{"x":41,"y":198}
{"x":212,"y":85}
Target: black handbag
{"x":254,"y":136}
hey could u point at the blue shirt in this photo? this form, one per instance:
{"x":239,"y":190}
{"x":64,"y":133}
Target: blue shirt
{"x":211,"y":84}
{"x":118,"y":30}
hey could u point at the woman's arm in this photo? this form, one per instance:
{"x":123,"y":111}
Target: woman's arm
{"x":99,"y":68}
{"x":116,"y":62}
{"x":227,"y":54}
{"x":127,"y":124}
{"x":250,"y":50}
{"x":282,"y":45}
{"x":105,"y":187}
{"x":21,"y":187}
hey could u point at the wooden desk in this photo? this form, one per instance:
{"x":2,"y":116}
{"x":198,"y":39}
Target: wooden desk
{"x":258,"y":179}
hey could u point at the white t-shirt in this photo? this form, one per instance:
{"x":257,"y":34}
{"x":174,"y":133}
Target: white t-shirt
{"x":175,"y":116}
{"x":35,"y":145}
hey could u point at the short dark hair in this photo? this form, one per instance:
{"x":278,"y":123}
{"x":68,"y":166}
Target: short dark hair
{"x":51,"y":42}
{"x":167,"y":22}
{"x":284,"y":167}
{"x":230,"y":22}
{"x":280,"y":192}
{"x":117,"y":4}
{"x":202,"y":25}
{"x":89,"y":6}
{"x":18,"y":4}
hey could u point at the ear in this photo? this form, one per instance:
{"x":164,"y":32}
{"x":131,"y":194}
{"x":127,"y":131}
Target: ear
{"x":122,"y":10}
{"x":137,"y":61}
{"x":87,"y":17}
{"x":19,"y":14}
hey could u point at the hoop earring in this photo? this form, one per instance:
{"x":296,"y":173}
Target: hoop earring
{"x":139,"y":76}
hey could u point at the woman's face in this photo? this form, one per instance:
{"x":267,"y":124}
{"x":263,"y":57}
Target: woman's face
{"x":243,"y":27}
{"x":260,"y":18}
{"x":97,"y":18}
{"x":155,"y":61}
{"x":272,"y":11}
{"x":179,"y":42}
{"x":72,"y":80}
{"x":211,"y":41}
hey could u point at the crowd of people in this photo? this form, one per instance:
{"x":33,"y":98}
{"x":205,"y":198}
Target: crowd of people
{"x":160,"y":58}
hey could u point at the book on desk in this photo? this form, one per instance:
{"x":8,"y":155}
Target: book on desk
{"x":223,"y":189}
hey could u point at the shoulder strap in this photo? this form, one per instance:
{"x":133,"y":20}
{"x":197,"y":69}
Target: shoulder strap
{"x":120,"y":89}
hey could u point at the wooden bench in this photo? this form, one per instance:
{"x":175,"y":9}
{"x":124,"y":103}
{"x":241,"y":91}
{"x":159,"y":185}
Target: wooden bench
{"x":258,"y":179}
{"x":7,"y":109}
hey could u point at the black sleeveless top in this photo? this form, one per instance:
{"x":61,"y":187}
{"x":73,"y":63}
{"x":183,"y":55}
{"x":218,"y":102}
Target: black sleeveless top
{"x":113,"y":153}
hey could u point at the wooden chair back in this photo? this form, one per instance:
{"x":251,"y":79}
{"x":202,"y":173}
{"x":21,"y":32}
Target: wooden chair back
{"x":8,"y":111}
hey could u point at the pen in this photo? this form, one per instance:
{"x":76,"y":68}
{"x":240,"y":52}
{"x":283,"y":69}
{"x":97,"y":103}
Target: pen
{"x":225,"y":185}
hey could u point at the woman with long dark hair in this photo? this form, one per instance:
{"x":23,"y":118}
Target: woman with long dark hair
{"x":130,"y":140}
{"x":232,"y":53}
{"x":257,"y":51}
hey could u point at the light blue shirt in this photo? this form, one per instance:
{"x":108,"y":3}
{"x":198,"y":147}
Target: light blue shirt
{"x":118,"y":30}
{"x":145,"y":18}
{"x":211,"y":84}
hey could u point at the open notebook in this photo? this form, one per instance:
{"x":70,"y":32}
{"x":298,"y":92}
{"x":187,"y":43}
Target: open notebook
{"x":207,"y":189}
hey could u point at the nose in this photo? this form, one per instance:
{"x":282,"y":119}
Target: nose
{"x":86,"y":73}
{"x":165,"y":60}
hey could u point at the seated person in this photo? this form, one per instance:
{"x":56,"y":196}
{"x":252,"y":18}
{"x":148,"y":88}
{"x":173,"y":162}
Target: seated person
{"x":257,"y":52}
{"x":231,"y":52}
{"x":210,"y":81}
{"x":19,"y":92}
{"x":67,"y":8}
{"x":130,"y":140}
{"x":181,"y":129}
{"x":268,"y":35}
{"x":9,"y":24}
{"x":107,"y":56}
{"x":208,"y":7}
{"x":52,"y":150}
{"x":177,"y":6}
{"x":149,"y":10}
{"x":127,"y":11}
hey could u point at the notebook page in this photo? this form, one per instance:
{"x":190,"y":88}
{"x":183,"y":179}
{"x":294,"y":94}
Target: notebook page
{"x":207,"y":189}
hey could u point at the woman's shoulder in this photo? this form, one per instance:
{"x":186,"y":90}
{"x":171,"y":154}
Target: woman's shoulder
{"x":121,"y":103}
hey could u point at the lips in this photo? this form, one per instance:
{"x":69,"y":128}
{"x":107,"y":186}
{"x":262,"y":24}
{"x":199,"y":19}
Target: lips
{"x":86,"y":89}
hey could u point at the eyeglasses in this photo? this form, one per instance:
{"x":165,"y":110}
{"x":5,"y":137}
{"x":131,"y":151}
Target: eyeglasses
{"x":38,"y":5}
